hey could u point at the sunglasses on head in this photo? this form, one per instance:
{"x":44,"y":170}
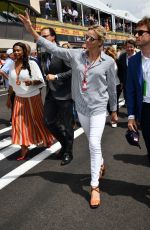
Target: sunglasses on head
{"x":91,"y":39}
{"x":141,"y":32}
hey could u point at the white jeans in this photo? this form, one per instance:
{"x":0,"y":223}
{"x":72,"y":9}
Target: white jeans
{"x":93,"y":127}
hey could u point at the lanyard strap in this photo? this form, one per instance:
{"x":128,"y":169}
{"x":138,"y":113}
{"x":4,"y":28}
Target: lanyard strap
{"x":86,"y":68}
{"x":85,"y":72}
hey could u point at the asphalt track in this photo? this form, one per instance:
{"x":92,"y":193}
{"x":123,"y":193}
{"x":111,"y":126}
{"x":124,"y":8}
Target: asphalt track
{"x":53,"y":197}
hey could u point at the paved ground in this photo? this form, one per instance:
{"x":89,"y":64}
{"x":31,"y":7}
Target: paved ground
{"x":52,"y":197}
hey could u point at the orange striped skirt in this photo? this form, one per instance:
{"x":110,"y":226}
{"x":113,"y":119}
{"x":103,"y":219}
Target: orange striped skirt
{"x":28,"y":122}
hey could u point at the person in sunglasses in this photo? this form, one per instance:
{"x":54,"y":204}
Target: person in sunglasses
{"x":122,"y":63}
{"x":58,"y":106}
{"x":93,"y":83}
{"x":138,"y":83}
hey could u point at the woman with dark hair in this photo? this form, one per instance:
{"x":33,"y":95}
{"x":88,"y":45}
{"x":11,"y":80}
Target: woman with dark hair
{"x":25,"y":78}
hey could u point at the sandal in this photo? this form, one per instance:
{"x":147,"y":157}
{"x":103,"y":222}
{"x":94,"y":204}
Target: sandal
{"x":23,"y":155}
{"x":95,"y":201}
{"x":102,"y":171}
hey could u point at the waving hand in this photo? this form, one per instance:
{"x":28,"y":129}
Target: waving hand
{"x":28,"y":25}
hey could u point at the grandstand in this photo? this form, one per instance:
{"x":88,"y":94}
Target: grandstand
{"x":119,"y":24}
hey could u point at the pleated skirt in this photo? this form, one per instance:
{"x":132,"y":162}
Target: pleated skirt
{"x":28,"y":122}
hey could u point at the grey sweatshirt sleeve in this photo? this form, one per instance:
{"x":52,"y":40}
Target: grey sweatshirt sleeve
{"x":111,"y":80}
{"x":65,"y":54}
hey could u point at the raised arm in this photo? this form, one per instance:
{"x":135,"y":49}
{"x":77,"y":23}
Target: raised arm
{"x":28,"y":25}
{"x":65,"y":54}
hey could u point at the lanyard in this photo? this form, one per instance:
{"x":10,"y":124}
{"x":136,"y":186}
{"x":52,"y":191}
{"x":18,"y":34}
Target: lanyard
{"x":86,"y":68}
{"x":84,"y":81}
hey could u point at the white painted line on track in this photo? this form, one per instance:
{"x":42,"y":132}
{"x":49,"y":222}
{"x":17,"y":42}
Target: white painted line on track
{"x":121,"y":103}
{"x":11,"y":150}
{"x":3,"y":94}
{"x":5,"y":142}
{"x":121,"y":99}
{"x":78,"y":132}
{"x":19,"y":171}
{"x":3,"y":89}
{"x":5,"y":129}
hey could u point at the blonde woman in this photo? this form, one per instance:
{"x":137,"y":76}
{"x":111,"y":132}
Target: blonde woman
{"x":93,"y":83}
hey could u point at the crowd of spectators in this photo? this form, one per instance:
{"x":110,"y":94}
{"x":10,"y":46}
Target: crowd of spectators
{"x":123,"y":27}
{"x":70,"y":14}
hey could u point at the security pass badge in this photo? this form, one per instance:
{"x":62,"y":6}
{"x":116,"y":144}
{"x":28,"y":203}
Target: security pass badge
{"x":84,"y":85}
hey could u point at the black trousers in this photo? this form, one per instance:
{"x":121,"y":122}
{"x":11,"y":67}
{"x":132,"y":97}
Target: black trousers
{"x":145,"y":126}
{"x":58,"y":116}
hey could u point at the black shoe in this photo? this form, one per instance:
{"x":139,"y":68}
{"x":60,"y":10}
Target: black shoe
{"x":66,"y":159}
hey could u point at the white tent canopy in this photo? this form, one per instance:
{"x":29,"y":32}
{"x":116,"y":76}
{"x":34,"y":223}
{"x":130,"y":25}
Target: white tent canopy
{"x":126,"y":15}
{"x":98,"y":5}
{"x":95,"y":4}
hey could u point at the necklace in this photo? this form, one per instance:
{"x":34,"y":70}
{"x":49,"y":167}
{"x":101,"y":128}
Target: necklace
{"x":18,"y":82}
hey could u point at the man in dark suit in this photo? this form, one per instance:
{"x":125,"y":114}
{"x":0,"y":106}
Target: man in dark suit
{"x":138,"y":83}
{"x":58,"y":103}
{"x":122,"y":63}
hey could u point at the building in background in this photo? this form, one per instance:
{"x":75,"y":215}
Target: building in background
{"x":11,"y":28}
{"x":70,"y":19}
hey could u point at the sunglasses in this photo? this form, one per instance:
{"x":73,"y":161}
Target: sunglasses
{"x":91,"y":39}
{"x":45,"y":36}
{"x":141,"y":32}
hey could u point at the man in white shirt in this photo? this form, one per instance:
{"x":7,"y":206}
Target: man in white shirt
{"x":138,"y":83}
{"x":74,"y":15}
{"x":4,"y":72}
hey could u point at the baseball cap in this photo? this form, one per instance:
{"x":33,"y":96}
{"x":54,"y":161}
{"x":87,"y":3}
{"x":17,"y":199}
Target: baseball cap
{"x":9,"y":51}
{"x":133,"y":138}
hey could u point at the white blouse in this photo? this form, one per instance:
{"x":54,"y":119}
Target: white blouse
{"x":22,"y":90}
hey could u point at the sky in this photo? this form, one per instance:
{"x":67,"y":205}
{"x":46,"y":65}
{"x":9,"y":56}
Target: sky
{"x":139,"y":8}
